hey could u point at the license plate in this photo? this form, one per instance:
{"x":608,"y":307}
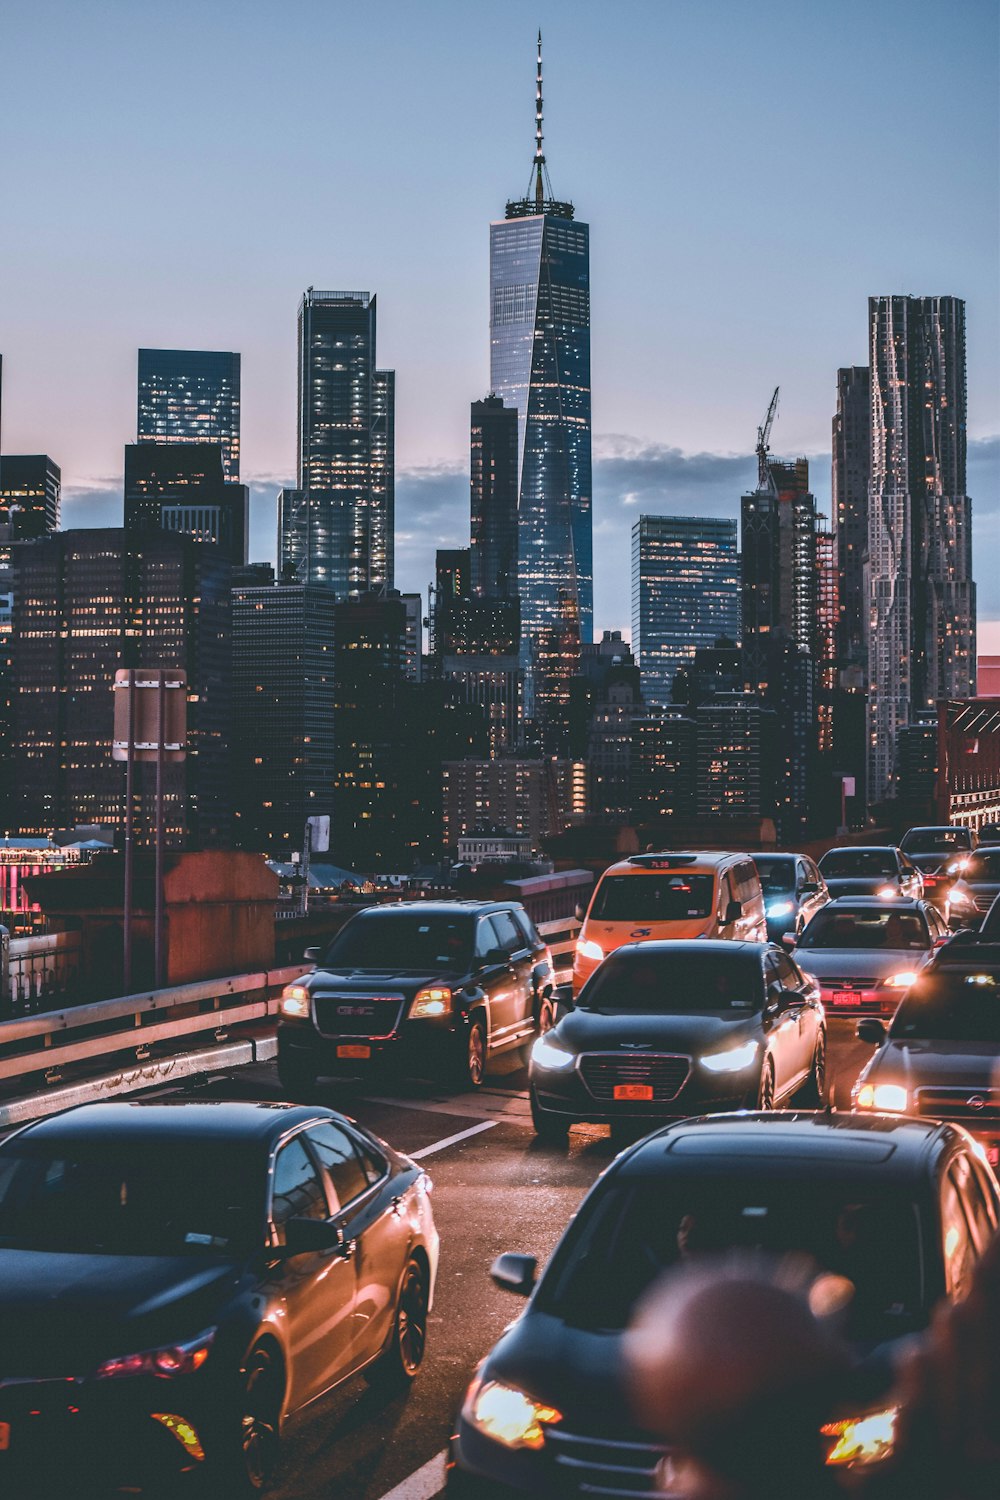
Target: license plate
{"x":633,"y":1091}
{"x":353,"y":1049}
{"x":4,"y":1436}
{"x":845,"y":997}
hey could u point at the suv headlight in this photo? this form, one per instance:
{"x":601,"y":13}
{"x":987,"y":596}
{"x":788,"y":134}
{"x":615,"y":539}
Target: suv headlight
{"x":433,"y":1001}
{"x":548,"y":1054}
{"x":900,"y":981}
{"x":891,"y":1097}
{"x":508,"y":1415}
{"x":587,"y":948}
{"x":862,"y":1441}
{"x":294,"y":1001}
{"x":732,"y":1060}
{"x":170,"y":1360}
{"x":779,"y":908}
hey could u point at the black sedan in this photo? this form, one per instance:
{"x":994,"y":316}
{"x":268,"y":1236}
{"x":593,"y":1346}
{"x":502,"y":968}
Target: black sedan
{"x":664,"y":1029}
{"x":940,"y":853}
{"x":178,"y":1280}
{"x":877,"y":870}
{"x":794,"y":891}
{"x":901,"y":1209}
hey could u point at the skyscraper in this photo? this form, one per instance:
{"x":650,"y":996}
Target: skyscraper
{"x":183,"y":489}
{"x":336,"y":526}
{"x":191,"y":396}
{"x":493,"y":470}
{"x":30,"y":496}
{"x":852,"y":431}
{"x":685,"y":594}
{"x":540,"y":364}
{"x":922,"y":634}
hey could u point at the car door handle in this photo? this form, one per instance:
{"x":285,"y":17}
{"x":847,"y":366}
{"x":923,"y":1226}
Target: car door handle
{"x":396,"y":1204}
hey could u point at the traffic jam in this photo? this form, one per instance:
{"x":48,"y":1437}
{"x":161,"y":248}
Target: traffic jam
{"x":752,"y":1298}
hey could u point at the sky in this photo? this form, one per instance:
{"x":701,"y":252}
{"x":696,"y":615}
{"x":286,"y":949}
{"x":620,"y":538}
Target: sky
{"x":174,"y":175}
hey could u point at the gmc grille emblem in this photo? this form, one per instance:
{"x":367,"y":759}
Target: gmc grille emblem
{"x":354,"y":1010}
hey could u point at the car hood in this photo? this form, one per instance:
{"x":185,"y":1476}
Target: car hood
{"x":373,"y":981}
{"x":849,"y":963}
{"x":590,"y":1031}
{"x":931,"y":1064}
{"x":62,"y":1315}
{"x":575,"y":1370}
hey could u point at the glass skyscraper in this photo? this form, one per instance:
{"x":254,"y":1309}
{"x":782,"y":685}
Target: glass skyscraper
{"x":540,"y":364}
{"x":685,"y":594}
{"x":191,"y":396}
{"x":336,"y":527}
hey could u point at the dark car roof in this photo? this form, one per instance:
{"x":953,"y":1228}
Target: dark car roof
{"x":862,"y":849}
{"x":181,"y":1119}
{"x":805,"y":1142}
{"x":436,"y":908}
{"x":776,"y":854}
{"x":654,"y":947}
{"x":876,"y":903}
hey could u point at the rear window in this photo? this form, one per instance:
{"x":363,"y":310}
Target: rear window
{"x":864,"y":863}
{"x":676,"y":983}
{"x":867,"y":928}
{"x":659,"y":897}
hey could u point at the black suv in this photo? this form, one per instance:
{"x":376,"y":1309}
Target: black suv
{"x":431,"y":986}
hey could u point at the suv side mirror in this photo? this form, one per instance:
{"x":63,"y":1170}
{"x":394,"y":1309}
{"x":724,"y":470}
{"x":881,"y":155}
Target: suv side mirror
{"x":312,"y":955}
{"x":515,"y":1273}
{"x":810,"y":888}
{"x":734,"y":910}
{"x":788,"y":940}
{"x":305,"y":1236}
{"x":871,"y":1030}
{"x":579,"y":912}
{"x":495,"y":957}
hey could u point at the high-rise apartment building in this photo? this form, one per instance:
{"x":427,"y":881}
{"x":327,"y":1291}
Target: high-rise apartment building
{"x":736,"y":757}
{"x":685,"y":594}
{"x":540,"y":364}
{"x":30,"y":496}
{"x":493,"y":470}
{"x":182,"y":487}
{"x":191,"y":396}
{"x":336,"y":526}
{"x":852,"y":431}
{"x":922,"y":631}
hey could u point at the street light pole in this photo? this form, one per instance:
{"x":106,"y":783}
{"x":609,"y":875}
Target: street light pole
{"x":129,"y":833}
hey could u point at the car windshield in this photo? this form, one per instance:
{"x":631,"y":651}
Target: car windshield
{"x":950,"y":1006}
{"x":634,"y":1229}
{"x":872,"y":927}
{"x":936,"y":840}
{"x":984,"y":866}
{"x":160,"y":1197}
{"x":675,"y":983}
{"x":403,"y":940}
{"x":864,"y":863}
{"x":653,"y":897}
{"x":775,"y":874}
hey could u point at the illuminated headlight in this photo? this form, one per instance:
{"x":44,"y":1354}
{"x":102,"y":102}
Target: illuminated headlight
{"x":891,"y":1097}
{"x":900,"y":981}
{"x":779,"y":908}
{"x":732,"y":1060}
{"x":862,"y":1441}
{"x":172,"y":1359}
{"x":431,"y":1002}
{"x":959,"y":898}
{"x":958,"y":864}
{"x":589,"y":949}
{"x":294,"y":1000}
{"x":887,"y":892}
{"x":507,"y":1415}
{"x":546,"y":1054}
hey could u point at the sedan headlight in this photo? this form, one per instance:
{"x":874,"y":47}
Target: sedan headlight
{"x":508,"y":1415}
{"x":589,"y":949}
{"x":548,"y":1054}
{"x":431,"y":1002}
{"x":887,"y":892}
{"x":901,"y":981}
{"x":891,"y":1097}
{"x":294,"y":1001}
{"x":779,"y":908}
{"x":732,"y":1060}
{"x":170,"y":1360}
{"x":862,"y":1441}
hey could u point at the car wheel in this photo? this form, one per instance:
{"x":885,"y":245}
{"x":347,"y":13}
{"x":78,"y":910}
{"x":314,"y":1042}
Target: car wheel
{"x":765,"y":1089}
{"x":246,"y":1457}
{"x":473,"y":1069}
{"x":296,"y":1074}
{"x":814,"y":1088}
{"x":403,"y":1356}
{"x":545,"y":1014}
{"x":551,"y":1129}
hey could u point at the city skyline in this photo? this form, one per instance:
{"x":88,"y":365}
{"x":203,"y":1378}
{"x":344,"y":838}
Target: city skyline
{"x":673,"y":422}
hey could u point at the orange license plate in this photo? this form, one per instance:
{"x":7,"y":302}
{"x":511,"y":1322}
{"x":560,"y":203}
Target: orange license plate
{"x":354,"y":1049}
{"x":4,"y":1436}
{"x":633,"y":1091}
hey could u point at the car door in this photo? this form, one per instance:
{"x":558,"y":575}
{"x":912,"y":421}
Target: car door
{"x":495,"y":978}
{"x":318,"y":1287}
{"x":511,"y":939}
{"x":782,"y":1027}
{"x":810,"y":1016}
{"x":373,"y":1223}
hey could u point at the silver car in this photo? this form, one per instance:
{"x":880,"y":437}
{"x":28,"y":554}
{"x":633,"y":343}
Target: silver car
{"x":865,"y":951}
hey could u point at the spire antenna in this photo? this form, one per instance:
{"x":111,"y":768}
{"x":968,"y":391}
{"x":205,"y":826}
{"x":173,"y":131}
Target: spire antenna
{"x":539,"y":152}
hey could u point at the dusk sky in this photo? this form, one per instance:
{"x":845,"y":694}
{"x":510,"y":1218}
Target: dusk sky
{"x":175,"y":175}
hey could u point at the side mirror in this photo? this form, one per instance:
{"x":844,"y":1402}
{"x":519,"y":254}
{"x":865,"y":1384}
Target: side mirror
{"x":579,"y":912}
{"x":496,"y":957}
{"x":305,"y":1236}
{"x":734,"y":910}
{"x":515,"y":1273}
{"x":871,"y":1030}
{"x":312,"y":955}
{"x":810,"y":888}
{"x":788,"y":940}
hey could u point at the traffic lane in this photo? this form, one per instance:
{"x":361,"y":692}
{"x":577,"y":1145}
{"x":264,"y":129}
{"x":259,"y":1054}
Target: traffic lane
{"x":495,"y":1191}
{"x":846,"y":1056}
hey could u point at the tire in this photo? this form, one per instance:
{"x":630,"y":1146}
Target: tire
{"x":545,"y":1014}
{"x":471,"y":1070}
{"x":551,"y":1130}
{"x":297,"y":1073}
{"x":813,"y":1090}
{"x":244,"y":1458}
{"x":398,"y":1364}
{"x":765,"y":1089}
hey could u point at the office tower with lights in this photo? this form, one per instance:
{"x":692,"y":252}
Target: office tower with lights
{"x":30,"y":496}
{"x":922,"y":630}
{"x":852,"y":431}
{"x":182,"y":488}
{"x":493,"y":471}
{"x":540,"y":364}
{"x":191,"y":396}
{"x":685,"y":594}
{"x":336,"y":526}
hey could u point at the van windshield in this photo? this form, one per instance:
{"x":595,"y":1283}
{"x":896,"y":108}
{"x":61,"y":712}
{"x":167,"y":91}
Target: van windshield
{"x":656,"y":897}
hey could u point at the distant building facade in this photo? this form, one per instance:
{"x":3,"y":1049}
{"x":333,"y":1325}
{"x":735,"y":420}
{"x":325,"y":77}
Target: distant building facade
{"x":191,"y":396}
{"x":183,"y":488}
{"x":851,"y":473}
{"x":534,"y":798}
{"x":30,"y":497}
{"x":736,"y":757}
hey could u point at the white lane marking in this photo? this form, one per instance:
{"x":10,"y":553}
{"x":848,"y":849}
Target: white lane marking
{"x":423,"y":1483}
{"x":512,"y":1105}
{"x":450,"y":1140}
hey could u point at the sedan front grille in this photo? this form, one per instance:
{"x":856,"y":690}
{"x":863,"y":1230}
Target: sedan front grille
{"x":665,"y":1073}
{"x":851,"y":982}
{"x":375,"y":1016}
{"x":955,"y":1104}
{"x":611,"y":1467}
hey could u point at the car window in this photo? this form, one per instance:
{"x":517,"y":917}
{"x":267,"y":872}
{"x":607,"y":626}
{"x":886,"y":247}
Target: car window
{"x":987,"y":1187}
{"x":339,"y":1160}
{"x":657,"y":978}
{"x":788,"y":976}
{"x":746,"y":880}
{"x":297,"y":1192}
{"x":950,"y":1005}
{"x":486,"y":937}
{"x":984,"y":865}
{"x":652,"y":898}
{"x":387,"y":939}
{"x":527,"y":926}
{"x":374,"y":1163}
{"x":872,"y":927}
{"x":776,"y":874}
{"x":975,"y":1207}
{"x":959,"y":1255}
{"x":509,"y":936}
{"x":863,"y":863}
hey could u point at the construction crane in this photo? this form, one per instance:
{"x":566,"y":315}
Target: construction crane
{"x":763,"y":443}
